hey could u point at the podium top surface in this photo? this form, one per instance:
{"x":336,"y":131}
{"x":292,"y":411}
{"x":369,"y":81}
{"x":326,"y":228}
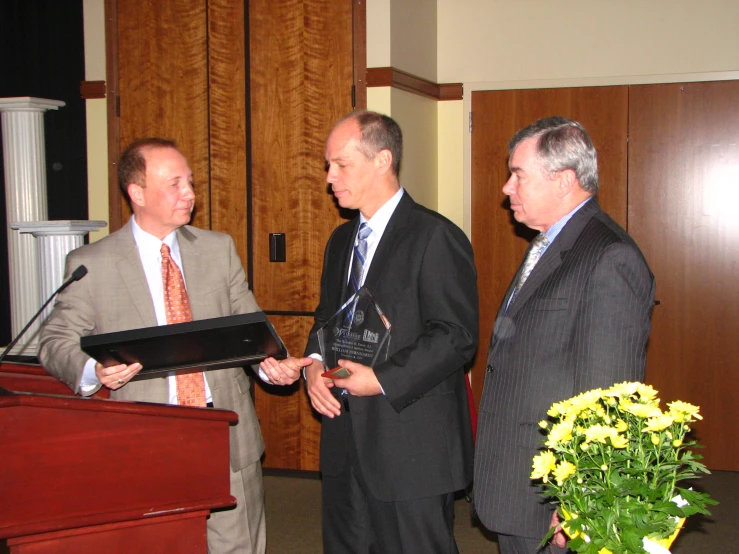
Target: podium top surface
{"x":10,"y":399}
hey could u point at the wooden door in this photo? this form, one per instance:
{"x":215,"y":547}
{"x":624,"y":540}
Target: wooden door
{"x":683,"y":200}
{"x":300,"y":83}
{"x":498,"y":241}
{"x":178,"y":71}
{"x":162,"y":86}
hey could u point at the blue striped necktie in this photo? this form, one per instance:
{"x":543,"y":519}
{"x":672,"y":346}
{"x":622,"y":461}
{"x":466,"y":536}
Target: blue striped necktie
{"x":359,"y":259}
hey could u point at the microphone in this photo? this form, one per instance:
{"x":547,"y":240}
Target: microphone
{"x":77,"y":274}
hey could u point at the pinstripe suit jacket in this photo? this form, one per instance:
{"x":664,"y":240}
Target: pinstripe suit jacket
{"x":580,"y":321}
{"x":114,"y":296}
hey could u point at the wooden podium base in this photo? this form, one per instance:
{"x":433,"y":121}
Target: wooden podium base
{"x":84,"y":475}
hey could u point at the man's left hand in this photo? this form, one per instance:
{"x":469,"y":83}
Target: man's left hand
{"x":558,"y":539}
{"x":361,"y":382}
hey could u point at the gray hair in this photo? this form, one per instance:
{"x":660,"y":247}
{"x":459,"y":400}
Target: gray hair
{"x":562,"y":144}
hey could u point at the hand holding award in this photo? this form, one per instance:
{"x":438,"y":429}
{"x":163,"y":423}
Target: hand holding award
{"x":359,"y":331}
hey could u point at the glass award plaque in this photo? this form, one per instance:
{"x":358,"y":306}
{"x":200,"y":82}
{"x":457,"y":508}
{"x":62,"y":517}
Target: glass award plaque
{"x":359,"y":331}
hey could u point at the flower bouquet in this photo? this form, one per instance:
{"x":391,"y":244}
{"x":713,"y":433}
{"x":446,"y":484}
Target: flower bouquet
{"x":613,"y":461}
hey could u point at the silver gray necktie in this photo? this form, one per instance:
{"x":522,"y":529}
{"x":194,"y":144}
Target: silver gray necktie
{"x":538,"y":245}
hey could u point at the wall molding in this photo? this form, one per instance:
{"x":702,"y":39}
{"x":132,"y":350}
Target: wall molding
{"x":391,"y":77}
{"x":92,"y":89}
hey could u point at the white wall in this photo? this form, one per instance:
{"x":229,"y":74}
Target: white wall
{"x":413,"y":37}
{"x":519,"y":40}
{"x":402,"y":34}
{"x":418,"y":118}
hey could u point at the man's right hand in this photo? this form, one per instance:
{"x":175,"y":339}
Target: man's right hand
{"x":115,"y":376}
{"x":319,"y":390}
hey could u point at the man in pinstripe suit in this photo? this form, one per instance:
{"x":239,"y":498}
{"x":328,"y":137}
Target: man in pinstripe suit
{"x":576,"y":321}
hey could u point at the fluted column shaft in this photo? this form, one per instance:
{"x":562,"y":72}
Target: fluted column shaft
{"x":24,"y":155}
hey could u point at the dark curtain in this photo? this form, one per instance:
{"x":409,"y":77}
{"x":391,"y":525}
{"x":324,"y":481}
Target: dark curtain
{"x":42,"y":47}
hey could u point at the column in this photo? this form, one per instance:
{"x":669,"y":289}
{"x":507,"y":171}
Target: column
{"x":24,"y":154}
{"x":55,"y":239}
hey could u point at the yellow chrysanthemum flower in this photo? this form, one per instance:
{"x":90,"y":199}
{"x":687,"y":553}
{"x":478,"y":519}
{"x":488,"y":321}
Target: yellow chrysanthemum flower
{"x":643,"y":411}
{"x":543,"y":424}
{"x":655,"y":439}
{"x":646,"y":392}
{"x":543,"y":465}
{"x":559,"y":433}
{"x":563,"y":470}
{"x":622,"y":389}
{"x":557,"y":409}
{"x":604,"y":550}
{"x":586,"y":401}
{"x":619,"y":441}
{"x":621,"y":426}
{"x":659,"y":423}
{"x":680,"y":408}
{"x":599,"y":433}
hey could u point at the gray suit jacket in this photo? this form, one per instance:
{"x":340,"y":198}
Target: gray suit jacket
{"x":416,"y":439}
{"x":114,"y":296}
{"x":580,"y":321}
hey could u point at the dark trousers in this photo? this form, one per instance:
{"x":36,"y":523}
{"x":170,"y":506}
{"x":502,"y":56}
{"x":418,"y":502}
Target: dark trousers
{"x":356,"y":522}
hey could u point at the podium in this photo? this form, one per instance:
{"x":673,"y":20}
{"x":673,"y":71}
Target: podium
{"x":94,"y":475}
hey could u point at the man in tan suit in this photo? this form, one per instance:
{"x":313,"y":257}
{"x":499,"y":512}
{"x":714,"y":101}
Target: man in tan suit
{"x":124,"y":290}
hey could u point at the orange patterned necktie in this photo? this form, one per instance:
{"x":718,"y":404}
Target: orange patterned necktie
{"x":190,"y":386}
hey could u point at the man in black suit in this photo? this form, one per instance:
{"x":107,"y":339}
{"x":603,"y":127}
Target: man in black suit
{"x":578,"y":320}
{"x":396,"y":439}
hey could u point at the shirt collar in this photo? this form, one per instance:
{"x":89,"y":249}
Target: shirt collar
{"x":149,"y":245}
{"x":555,"y":229}
{"x":379,"y":221}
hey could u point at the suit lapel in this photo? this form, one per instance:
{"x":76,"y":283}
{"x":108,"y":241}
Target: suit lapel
{"x":393,"y":233}
{"x":194,"y":269}
{"x":132,"y":274}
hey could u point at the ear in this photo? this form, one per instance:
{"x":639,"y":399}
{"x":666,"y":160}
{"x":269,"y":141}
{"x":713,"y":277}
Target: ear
{"x":384,"y":160}
{"x":566,"y":182}
{"x":136,"y":194}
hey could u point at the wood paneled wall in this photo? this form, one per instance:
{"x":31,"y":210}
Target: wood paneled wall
{"x":181,"y":74}
{"x":300,"y":83}
{"x":163,"y":84}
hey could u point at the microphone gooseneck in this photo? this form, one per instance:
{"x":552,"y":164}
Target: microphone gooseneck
{"x":77,"y":274}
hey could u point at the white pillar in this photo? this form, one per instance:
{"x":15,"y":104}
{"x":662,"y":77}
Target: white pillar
{"x":24,"y":153}
{"x":55,"y":240}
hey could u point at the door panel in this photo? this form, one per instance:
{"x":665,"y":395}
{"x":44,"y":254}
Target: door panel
{"x":683,"y":198}
{"x":499,"y":242}
{"x":163,"y":83}
{"x":290,"y":427}
{"x":301,"y":82}
{"x":228,"y":117}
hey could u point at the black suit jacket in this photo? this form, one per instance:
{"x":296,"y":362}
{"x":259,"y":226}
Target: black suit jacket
{"x":580,"y":321}
{"x":415,"y":440}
